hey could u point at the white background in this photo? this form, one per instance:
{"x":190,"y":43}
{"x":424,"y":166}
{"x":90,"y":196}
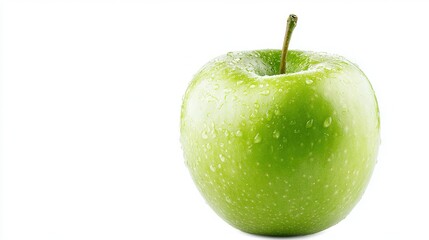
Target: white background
{"x":91,"y":96}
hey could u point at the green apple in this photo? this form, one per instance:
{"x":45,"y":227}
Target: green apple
{"x":280,"y":154}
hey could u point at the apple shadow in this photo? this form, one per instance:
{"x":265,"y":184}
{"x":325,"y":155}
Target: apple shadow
{"x":307,"y":236}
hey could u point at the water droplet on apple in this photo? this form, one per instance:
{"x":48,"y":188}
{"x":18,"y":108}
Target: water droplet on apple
{"x":308,"y":81}
{"x":238,"y":133}
{"x":309,"y":123}
{"x":226,"y":133}
{"x":222,"y":158}
{"x":327,"y":122}
{"x":265,"y":92}
{"x":228,"y":200}
{"x":204,"y":135}
{"x":257,"y":105}
{"x":212,"y":168}
{"x":257,"y":138}
{"x":211,"y":98}
{"x":252,"y":86}
{"x":277,"y":112}
{"x":239,"y":82}
{"x":269,"y":116}
{"x":216,"y":86}
{"x":276,"y":134}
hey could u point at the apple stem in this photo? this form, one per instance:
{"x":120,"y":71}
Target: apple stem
{"x":291,"y":23}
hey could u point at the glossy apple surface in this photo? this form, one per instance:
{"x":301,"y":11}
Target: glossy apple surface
{"x":280,"y":154}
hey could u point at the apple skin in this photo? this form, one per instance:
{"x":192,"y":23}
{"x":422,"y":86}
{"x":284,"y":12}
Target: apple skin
{"x":280,"y":154}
